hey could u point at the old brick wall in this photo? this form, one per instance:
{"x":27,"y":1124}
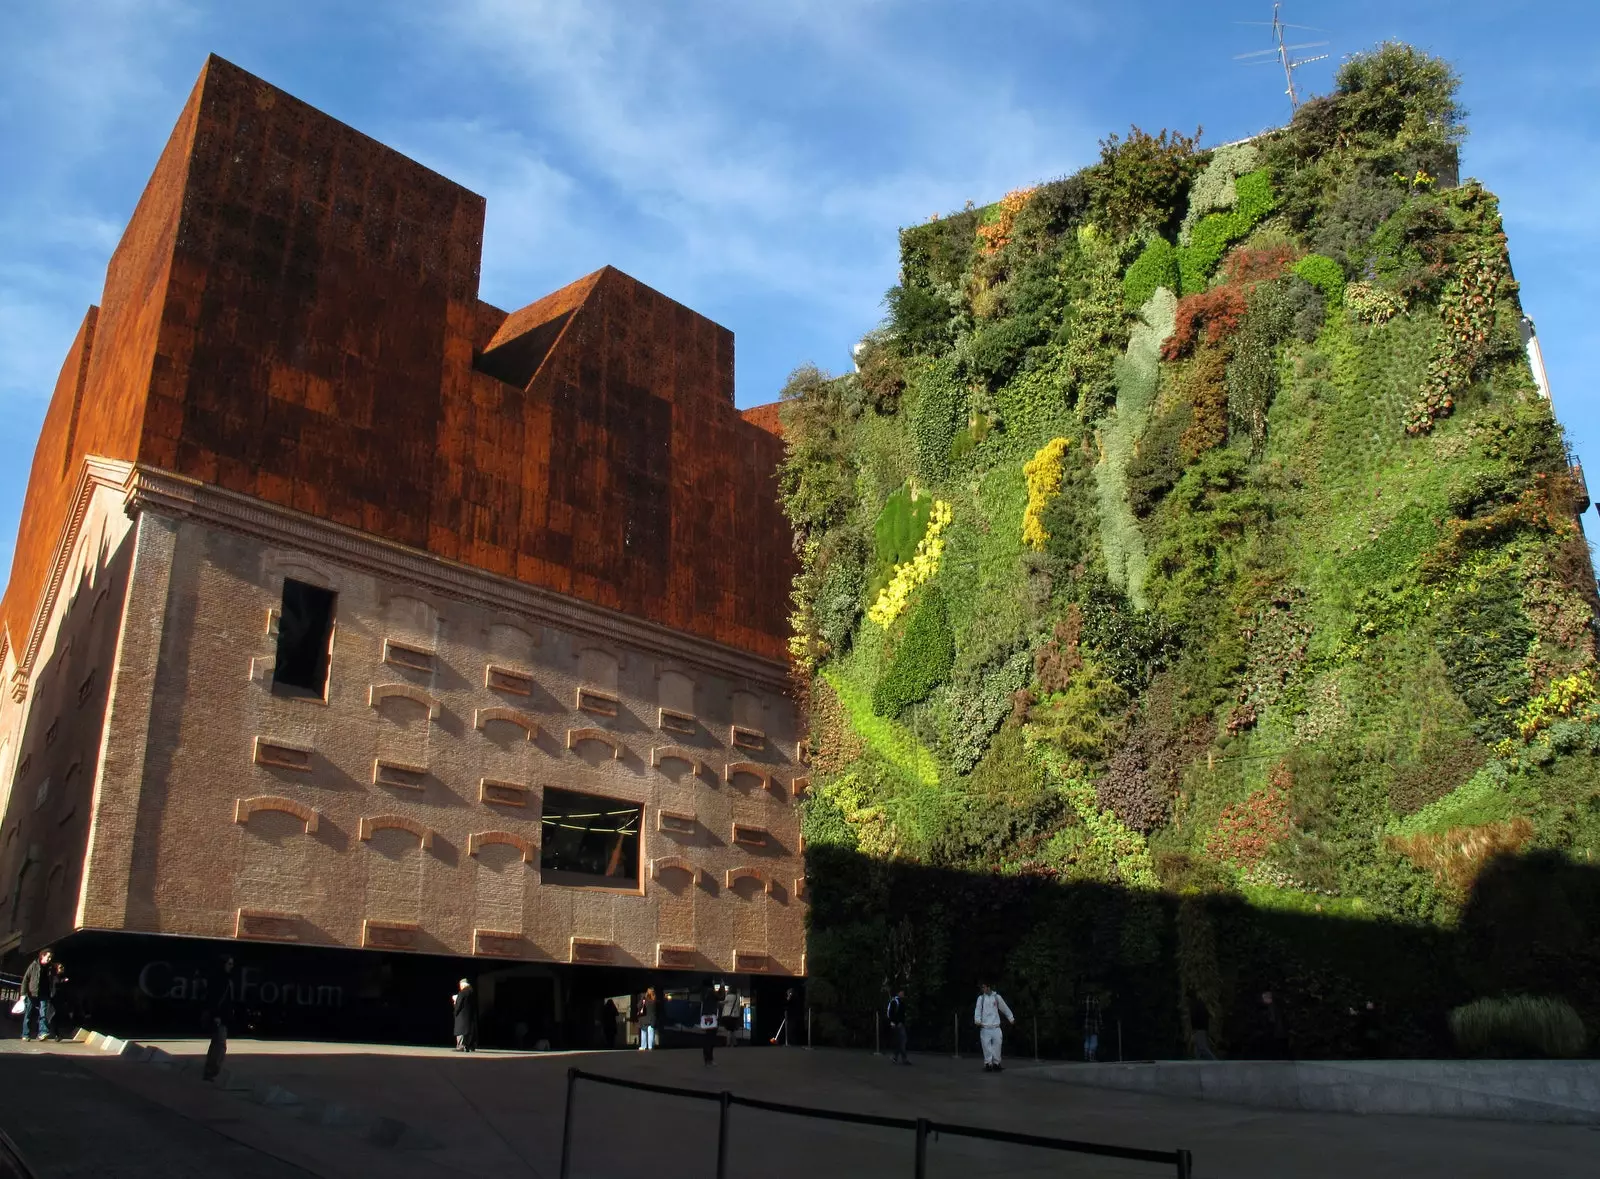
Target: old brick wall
{"x":190,"y":866}
{"x":56,"y":731}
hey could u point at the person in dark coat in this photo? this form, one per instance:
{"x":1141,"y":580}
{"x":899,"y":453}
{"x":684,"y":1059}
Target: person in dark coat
{"x":38,"y":995}
{"x":218,"y":1019}
{"x":897,"y":1027}
{"x":1274,"y":1033}
{"x":465,"y":1006}
{"x":710,"y":1006}
{"x":608,"y":1022}
{"x":1200,"y":1024}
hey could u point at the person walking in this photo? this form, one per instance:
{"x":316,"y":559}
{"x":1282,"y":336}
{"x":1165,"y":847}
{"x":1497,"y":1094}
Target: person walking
{"x":647,"y":1020}
{"x":219,"y":1019}
{"x":1091,"y":1027}
{"x":1200,"y":1024}
{"x":608,"y":1022}
{"x":1272,"y":1027}
{"x":464,"y":1008}
{"x":897,"y":1027}
{"x":37,"y":996}
{"x":710,"y":1011}
{"x":731,"y":1017}
{"x":991,"y":1007}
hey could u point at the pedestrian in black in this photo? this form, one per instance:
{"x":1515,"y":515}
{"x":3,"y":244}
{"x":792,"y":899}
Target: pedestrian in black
{"x":897,"y":1027}
{"x":608,"y":1022}
{"x":1365,"y":1020}
{"x":1091,"y":1028}
{"x":1200,"y":1025}
{"x":218,"y":1019}
{"x":732,"y":1014}
{"x":464,"y":1006}
{"x":710,"y":1008}
{"x":1272,"y":1027}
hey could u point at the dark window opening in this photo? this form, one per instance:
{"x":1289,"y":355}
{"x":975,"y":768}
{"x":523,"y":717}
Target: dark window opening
{"x":305,"y":628}
{"x":589,"y":840}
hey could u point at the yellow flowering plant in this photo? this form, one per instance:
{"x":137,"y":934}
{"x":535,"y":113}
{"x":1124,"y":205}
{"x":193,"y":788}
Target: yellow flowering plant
{"x":918,"y":571}
{"x":1043,"y":473}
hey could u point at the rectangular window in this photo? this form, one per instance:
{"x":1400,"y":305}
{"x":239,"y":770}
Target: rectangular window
{"x":588,"y":840}
{"x":305,"y":630}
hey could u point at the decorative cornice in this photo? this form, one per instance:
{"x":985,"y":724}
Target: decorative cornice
{"x":150,"y":489}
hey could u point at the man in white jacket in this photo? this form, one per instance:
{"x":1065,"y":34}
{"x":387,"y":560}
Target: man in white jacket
{"x":987,"y":1016}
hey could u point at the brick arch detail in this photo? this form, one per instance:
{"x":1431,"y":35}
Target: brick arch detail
{"x":370,"y":823}
{"x":378,"y":693}
{"x":748,"y":767}
{"x":673,"y":864}
{"x":245,"y":807}
{"x":481,"y":839}
{"x":663,"y":753}
{"x":736,"y":874}
{"x":574,"y":736}
{"x":512,"y":716}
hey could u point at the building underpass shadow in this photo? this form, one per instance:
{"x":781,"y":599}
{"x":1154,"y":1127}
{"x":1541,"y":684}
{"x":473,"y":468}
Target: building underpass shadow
{"x":1058,"y":950}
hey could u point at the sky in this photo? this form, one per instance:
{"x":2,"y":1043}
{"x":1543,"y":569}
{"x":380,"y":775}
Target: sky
{"x":752,"y":159}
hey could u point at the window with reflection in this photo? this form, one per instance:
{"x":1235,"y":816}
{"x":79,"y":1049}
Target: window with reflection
{"x":589,"y":840}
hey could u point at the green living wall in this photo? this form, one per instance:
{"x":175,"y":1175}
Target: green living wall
{"x":1193,"y":602}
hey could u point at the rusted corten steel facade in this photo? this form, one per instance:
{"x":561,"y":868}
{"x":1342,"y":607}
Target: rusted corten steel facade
{"x":559,"y":559}
{"x":293,"y":314}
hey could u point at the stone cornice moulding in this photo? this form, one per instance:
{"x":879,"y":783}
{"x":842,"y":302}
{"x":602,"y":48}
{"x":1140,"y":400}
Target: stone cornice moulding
{"x":151,"y":489}
{"x":95,"y":473}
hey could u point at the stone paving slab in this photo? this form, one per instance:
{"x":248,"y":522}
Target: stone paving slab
{"x":1550,"y":1091}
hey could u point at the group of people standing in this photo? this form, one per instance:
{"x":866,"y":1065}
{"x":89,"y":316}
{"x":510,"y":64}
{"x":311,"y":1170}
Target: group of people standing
{"x":44,"y":982}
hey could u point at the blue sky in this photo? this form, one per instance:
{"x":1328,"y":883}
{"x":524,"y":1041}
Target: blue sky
{"x":751,"y":158}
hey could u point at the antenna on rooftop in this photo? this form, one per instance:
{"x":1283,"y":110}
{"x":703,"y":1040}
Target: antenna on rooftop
{"x":1281,"y":51}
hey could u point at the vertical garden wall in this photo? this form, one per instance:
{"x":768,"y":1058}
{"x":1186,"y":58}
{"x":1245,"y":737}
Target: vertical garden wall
{"x":1193,"y":602}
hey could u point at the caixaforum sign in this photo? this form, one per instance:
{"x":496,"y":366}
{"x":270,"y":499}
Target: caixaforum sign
{"x":249,"y":987}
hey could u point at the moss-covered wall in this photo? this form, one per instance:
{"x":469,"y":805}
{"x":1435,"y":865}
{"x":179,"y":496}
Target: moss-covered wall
{"x":1192,"y":549}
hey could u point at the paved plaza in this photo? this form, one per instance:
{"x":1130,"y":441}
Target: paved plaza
{"x":73,"y":1111}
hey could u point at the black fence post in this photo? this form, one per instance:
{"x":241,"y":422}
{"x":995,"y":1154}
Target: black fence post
{"x":725,"y":1100}
{"x":922,"y":1148}
{"x":1185,"y":1164}
{"x":566,"y":1126}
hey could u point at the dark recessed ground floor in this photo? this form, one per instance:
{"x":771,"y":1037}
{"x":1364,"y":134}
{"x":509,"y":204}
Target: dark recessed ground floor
{"x":150,"y":985}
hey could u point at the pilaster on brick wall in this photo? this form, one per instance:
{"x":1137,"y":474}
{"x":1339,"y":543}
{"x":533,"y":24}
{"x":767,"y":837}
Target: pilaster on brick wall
{"x":108,"y":864}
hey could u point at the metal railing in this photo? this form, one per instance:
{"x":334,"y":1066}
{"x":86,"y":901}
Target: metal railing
{"x":1180,"y":1160}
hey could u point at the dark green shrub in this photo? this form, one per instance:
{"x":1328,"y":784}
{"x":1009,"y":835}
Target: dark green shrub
{"x":922,"y":658}
{"x":919,"y":319}
{"x":1345,"y":225}
{"x":1252,"y":373}
{"x":1307,"y":306}
{"x":1158,"y":463}
{"x":1484,"y":638}
{"x":839,"y":596}
{"x":1142,"y":181}
{"x":938,"y":252}
{"x":935,"y":415}
{"x":1156,"y":267}
{"x":999,"y":345}
{"x":1519,"y":1026}
{"x":815,"y":480}
{"x":1400,"y":96}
